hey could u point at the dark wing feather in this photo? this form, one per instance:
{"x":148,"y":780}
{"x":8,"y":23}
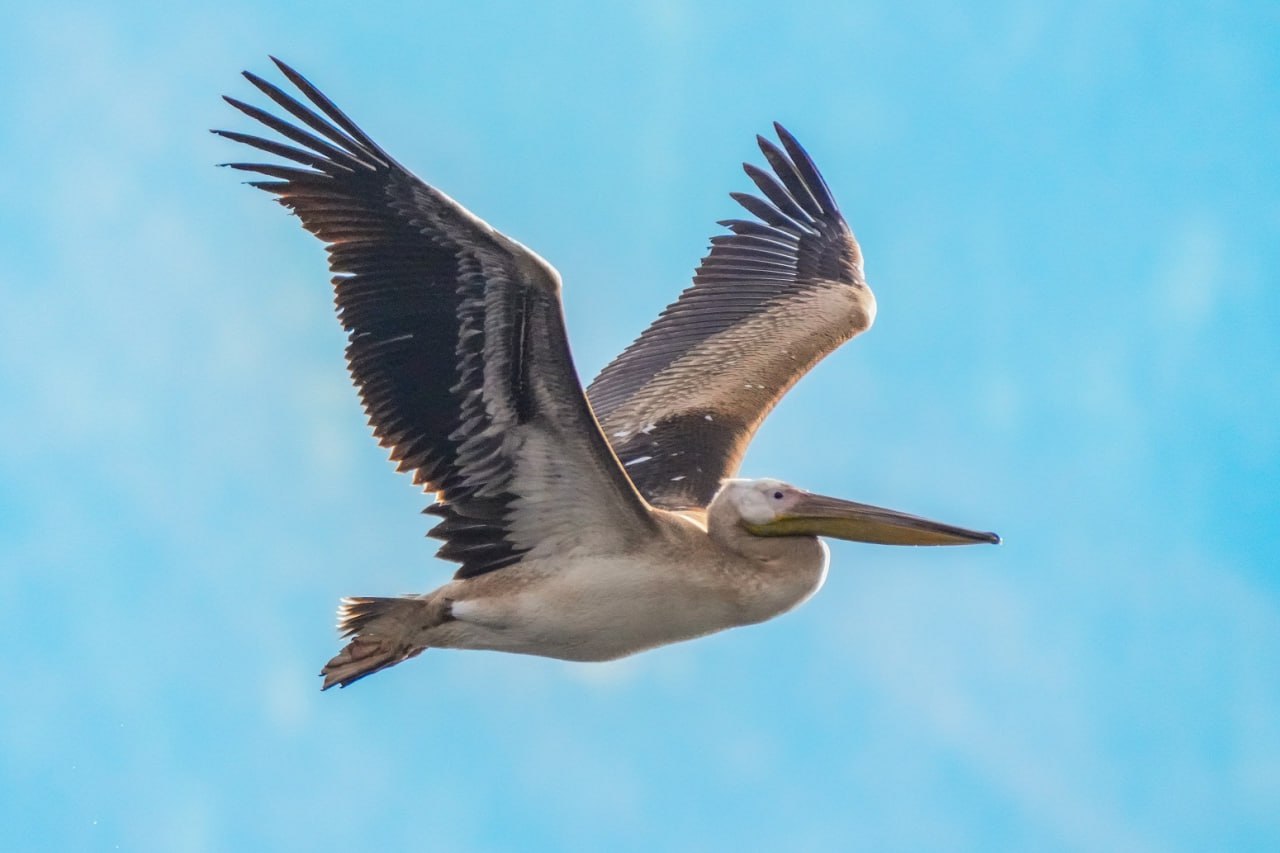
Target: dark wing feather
{"x":457,"y":345}
{"x":770,"y":300}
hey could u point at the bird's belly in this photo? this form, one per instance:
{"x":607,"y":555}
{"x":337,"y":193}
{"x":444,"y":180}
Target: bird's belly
{"x":609,"y":608}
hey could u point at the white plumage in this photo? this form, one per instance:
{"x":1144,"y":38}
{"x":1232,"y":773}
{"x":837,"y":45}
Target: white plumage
{"x":577,"y":541}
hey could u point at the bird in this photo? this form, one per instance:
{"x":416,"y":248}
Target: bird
{"x":587,"y":524}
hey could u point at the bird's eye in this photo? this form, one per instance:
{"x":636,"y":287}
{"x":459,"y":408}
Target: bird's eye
{"x":777,"y":496}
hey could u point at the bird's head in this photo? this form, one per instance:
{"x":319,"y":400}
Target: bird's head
{"x":768,"y":507}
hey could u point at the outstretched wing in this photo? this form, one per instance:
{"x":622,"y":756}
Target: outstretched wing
{"x":457,"y":346}
{"x":770,"y":301}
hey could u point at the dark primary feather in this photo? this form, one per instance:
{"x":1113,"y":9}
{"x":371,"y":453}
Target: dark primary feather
{"x":456,"y":340}
{"x":676,"y":445}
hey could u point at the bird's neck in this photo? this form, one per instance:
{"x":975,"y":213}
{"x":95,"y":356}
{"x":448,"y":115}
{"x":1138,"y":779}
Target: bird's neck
{"x":725,"y":529}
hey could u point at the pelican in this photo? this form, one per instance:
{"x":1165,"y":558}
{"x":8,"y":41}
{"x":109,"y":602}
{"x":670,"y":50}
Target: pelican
{"x":588,"y":525}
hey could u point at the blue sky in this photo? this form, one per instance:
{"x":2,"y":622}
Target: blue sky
{"x":1071,"y":217}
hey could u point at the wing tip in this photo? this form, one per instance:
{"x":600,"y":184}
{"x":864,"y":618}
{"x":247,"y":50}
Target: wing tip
{"x":808,"y":171}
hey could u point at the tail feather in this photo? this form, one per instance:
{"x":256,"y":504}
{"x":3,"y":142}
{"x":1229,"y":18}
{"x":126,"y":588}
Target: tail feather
{"x":379,"y":629}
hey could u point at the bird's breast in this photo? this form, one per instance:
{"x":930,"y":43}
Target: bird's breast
{"x":609,"y":607}
{"x":769,"y":589}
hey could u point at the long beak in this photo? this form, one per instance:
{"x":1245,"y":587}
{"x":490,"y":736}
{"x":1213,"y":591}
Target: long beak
{"x":816,"y":515}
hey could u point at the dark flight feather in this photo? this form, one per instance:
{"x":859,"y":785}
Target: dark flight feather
{"x":675,"y":442}
{"x":456,"y":339}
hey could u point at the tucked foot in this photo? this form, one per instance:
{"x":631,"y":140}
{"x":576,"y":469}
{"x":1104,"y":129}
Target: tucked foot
{"x":380,"y":630}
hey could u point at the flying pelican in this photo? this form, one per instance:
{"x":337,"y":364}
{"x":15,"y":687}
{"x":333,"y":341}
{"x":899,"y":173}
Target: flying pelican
{"x":588,"y":526}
